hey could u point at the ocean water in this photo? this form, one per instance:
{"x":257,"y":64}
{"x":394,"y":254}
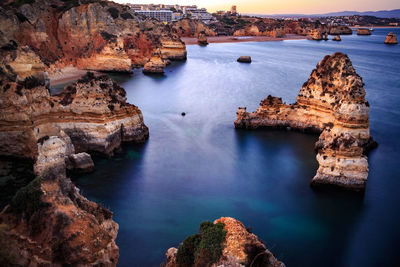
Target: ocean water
{"x":198,"y":167}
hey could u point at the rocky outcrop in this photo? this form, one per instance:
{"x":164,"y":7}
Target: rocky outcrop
{"x":48,"y":223}
{"x":340,"y":30}
{"x":337,"y":38}
{"x":391,"y":38}
{"x":332,"y":102}
{"x":192,"y":28}
{"x":362,"y":31}
{"x":239,"y":248}
{"x":244,"y":59}
{"x":173,"y":49}
{"x":80,"y":163}
{"x":93,"y":112}
{"x":87,"y":34}
{"x":155,"y":65}
{"x":202,"y":39}
{"x":318,"y":35}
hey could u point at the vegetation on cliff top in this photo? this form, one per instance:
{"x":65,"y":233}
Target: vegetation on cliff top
{"x":202,"y":249}
{"x":28,"y":199}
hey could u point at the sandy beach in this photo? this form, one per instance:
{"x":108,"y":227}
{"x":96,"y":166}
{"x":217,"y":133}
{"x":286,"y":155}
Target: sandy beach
{"x":237,"y":39}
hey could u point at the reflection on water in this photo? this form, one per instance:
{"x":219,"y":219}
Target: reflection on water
{"x":198,"y":167}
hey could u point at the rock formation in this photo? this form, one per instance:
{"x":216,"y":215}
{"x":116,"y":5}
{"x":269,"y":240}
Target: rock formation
{"x":48,"y":223}
{"x":337,"y":38}
{"x":202,"y":39}
{"x":80,"y":163}
{"x":192,"y":28}
{"x":332,"y":102}
{"x":94,"y":35}
{"x":318,"y":35}
{"x":340,"y":30}
{"x":155,"y":65}
{"x":239,"y":248}
{"x":391,"y":38}
{"x":244,"y":59}
{"x":362,"y":31}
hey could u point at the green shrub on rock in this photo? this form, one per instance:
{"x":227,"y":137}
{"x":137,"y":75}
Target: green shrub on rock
{"x":202,"y":249}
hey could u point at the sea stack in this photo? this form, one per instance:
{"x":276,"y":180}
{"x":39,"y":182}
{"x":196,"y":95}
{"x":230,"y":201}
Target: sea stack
{"x":236,"y":247}
{"x":155,"y":65}
{"x":363,"y":31}
{"x":332,"y":102}
{"x":337,"y":38}
{"x":244,"y":59}
{"x":391,"y":38}
{"x":202,"y":39}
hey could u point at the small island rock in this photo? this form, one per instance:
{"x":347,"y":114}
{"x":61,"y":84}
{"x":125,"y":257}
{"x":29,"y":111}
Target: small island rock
{"x":337,"y":38}
{"x":391,"y":38}
{"x":244,"y":59}
{"x":363,"y":31}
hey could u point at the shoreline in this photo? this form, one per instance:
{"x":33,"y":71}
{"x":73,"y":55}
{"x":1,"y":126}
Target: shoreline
{"x":240,"y":39}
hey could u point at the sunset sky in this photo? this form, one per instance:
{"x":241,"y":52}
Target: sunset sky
{"x":281,"y":6}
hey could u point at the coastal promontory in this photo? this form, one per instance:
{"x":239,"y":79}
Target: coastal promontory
{"x":226,"y":242}
{"x":332,"y":102}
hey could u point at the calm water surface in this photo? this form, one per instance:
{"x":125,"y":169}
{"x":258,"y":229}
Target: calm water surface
{"x":198,"y":167}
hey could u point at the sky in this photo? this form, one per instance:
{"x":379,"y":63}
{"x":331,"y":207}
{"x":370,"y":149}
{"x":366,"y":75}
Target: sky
{"x":281,"y":6}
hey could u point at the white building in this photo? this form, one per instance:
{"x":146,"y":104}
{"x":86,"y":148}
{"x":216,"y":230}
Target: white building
{"x":160,"y":15}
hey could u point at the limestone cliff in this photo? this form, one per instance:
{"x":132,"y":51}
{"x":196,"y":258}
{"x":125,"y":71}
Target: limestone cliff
{"x":192,"y":28}
{"x":391,"y":38}
{"x":332,"y":101}
{"x":48,"y":223}
{"x":239,"y":247}
{"x":93,"y":35}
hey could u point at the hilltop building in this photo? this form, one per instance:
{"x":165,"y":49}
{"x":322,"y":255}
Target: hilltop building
{"x":168,"y":13}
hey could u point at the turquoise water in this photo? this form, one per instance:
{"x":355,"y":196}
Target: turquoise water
{"x":198,"y":167}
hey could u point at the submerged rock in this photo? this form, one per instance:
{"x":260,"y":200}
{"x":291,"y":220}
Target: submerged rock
{"x":332,"y":102}
{"x":391,"y":38}
{"x":244,"y":59}
{"x":238,"y":247}
{"x":362,"y":31}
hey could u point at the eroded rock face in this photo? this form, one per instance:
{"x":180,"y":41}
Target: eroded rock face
{"x":48,"y":223}
{"x":192,"y":28}
{"x":340,"y":30}
{"x":240,"y":248}
{"x":332,"y":101}
{"x":155,"y":65}
{"x":363,"y":32}
{"x":93,"y":35}
{"x":202,"y":39}
{"x":93,"y":112}
{"x":391,"y":38}
{"x":80,"y":163}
